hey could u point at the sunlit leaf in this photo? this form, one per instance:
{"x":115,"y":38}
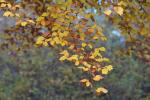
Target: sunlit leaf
{"x":107,"y":12}
{"x":104,"y":71}
{"x":101,"y":90}
{"x":97,"y":78}
{"x":39,"y":40}
{"x":118,"y":10}
{"x":24,"y":23}
{"x":8,"y":13}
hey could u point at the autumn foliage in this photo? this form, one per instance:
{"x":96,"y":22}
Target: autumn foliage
{"x":73,"y":31}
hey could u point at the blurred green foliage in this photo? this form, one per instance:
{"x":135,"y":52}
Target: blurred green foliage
{"x":38,"y":75}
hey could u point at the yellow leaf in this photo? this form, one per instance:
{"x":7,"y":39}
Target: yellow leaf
{"x":3,"y":5}
{"x":39,"y":40}
{"x":24,"y":23}
{"x":103,"y":38}
{"x":43,"y":22}
{"x":97,"y":77}
{"x":86,"y":64}
{"x":8,"y":13}
{"x":109,"y":67}
{"x":81,"y":57}
{"x":88,"y":83}
{"x":45,"y":44}
{"x":98,"y":69}
{"x":9,"y":5}
{"x":106,"y":60}
{"x":107,"y":12}
{"x":52,"y":42}
{"x":118,"y":10}
{"x":17,"y":6}
{"x":95,"y":37}
{"x":144,"y":31}
{"x":90,"y":46}
{"x":61,"y":19}
{"x":77,"y":63}
{"x":84,"y":80}
{"x":39,"y":19}
{"x":65,"y":53}
{"x":57,"y":40}
{"x":63,"y":43}
{"x":2,"y":1}
{"x":104,"y":71}
{"x":92,"y":57}
{"x":96,"y":53}
{"x":71,"y":47}
{"x":31,"y":21}
{"x":85,"y":69}
{"x":17,"y":15}
{"x":62,"y":58}
{"x":73,"y":57}
{"x":84,"y":44}
{"x":122,"y":3}
{"x":54,"y":15}
{"x":45,"y":14}
{"x":99,"y":60}
{"x":82,"y":36}
{"x":102,"y":49}
{"x":54,"y":34}
{"x":101,"y":90}
{"x":65,"y":33}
